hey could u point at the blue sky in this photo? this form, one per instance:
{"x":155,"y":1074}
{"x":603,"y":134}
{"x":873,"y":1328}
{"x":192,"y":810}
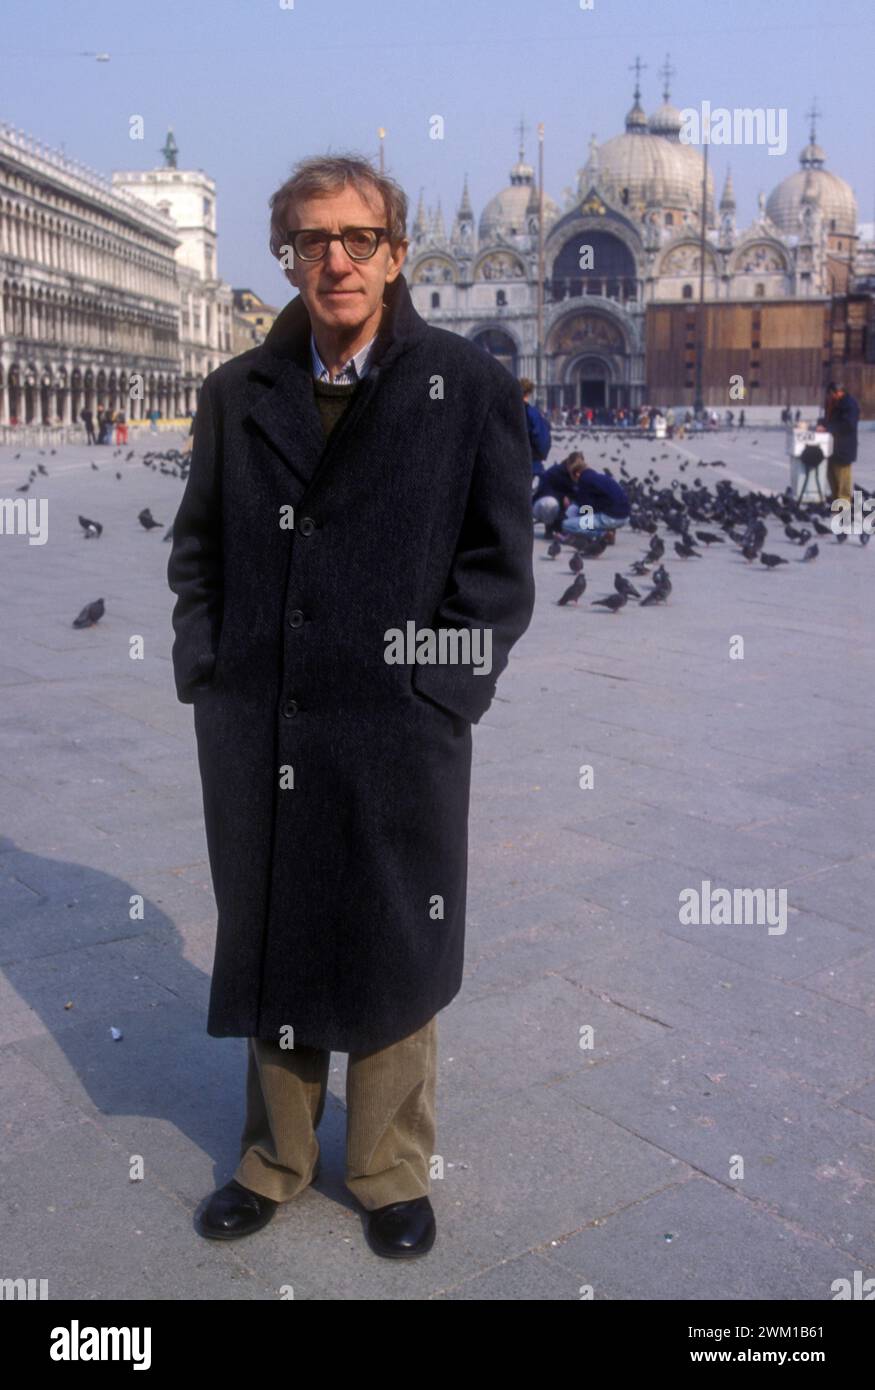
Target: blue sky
{"x":249,"y":87}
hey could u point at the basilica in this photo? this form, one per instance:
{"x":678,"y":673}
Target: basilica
{"x":782,"y":305}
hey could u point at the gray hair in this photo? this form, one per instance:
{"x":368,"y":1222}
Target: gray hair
{"x":322,"y":175}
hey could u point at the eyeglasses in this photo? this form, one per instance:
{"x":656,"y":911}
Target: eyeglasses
{"x":359,"y":243}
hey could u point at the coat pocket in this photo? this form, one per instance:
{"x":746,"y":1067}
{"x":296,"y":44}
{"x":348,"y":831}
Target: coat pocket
{"x":436,"y":708}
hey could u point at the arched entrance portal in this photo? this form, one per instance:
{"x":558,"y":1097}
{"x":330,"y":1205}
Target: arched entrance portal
{"x":590,"y":380}
{"x":589,"y":361}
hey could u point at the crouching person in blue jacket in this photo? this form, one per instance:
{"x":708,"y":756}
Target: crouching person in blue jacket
{"x":599,"y":504}
{"x":556,"y":492}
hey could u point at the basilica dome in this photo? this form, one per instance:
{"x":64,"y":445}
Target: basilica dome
{"x":639,"y":168}
{"x":835,"y":197}
{"x":666,"y":121}
{"x":508,"y":212}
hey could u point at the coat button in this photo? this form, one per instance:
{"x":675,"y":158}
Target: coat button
{"x":307,"y":526}
{"x":296,"y":618}
{"x":290,"y":708}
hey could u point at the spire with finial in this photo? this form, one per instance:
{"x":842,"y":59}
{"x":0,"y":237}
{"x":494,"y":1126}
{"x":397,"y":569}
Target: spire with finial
{"x":666,"y":72}
{"x":521,"y":171}
{"x":419,"y":221}
{"x":727,"y":197}
{"x":170,"y":150}
{"x":438,"y":230}
{"x":463,"y":227}
{"x":727,"y":214}
{"x":522,"y":128}
{"x":636,"y":119}
{"x":812,"y":157}
{"x":667,"y":121}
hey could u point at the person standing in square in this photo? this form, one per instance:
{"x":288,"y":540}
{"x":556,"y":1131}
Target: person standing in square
{"x":359,"y":474}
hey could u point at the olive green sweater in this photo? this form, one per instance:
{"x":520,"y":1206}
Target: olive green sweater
{"x":332,"y":400}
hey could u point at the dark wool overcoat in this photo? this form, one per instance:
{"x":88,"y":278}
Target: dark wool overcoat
{"x":336,"y":784}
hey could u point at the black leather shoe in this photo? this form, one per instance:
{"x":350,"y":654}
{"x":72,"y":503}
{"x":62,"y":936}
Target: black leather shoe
{"x":234,"y":1210}
{"x":402,"y":1230}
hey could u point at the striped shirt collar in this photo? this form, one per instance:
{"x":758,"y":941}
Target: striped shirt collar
{"x":352,"y":371}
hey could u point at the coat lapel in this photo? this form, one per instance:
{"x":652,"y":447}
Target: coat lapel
{"x":285,"y":409}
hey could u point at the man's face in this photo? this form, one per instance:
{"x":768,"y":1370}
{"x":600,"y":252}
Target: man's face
{"x":341,"y":294}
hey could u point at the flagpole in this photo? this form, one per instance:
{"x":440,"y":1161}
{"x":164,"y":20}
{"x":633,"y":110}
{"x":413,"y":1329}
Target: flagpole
{"x":540,"y":370}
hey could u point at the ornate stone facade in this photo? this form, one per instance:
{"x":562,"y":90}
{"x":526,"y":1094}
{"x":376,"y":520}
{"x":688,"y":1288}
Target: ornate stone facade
{"x":628,"y":236}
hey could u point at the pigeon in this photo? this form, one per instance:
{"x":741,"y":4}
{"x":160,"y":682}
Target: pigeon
{"x":41,"y":468}
{"x":687,"y":550}
{"x":658,"y":594}
{"x":614,"y":602}
{"x":865,"y":537}
{"x":640,"y":567}
{"x":94,"y":466}
{"x":811,"y":553}
{"x":147,"y":520}
{"x":750,"y":552}
{"x":91,"y":528}
{"x":661,"y":578}
{"x":623,"y":586}
{"x":168,"y":534}
{"x":841,"y":537}
{"x":820,"y":527}
{"x":23,"y":488}
{"x":589,"y":546}
{"x":772,"y":561}
{"x":554,"y":549}
{"x":656,"y":549}
{"x":574,"y":591}
{"x":709,"y":538}
{"x":91,"y":614}
{"x":575,"y":564}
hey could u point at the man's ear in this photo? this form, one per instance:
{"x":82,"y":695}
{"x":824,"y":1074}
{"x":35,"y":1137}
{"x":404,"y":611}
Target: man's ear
{"x":397,"y":254}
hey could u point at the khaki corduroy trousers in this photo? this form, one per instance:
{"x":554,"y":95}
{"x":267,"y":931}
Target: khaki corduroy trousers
{"x":390,"y":1119}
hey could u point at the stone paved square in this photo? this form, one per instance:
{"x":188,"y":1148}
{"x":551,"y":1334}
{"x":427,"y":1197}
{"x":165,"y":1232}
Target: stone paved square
{"x":610,"y":1166}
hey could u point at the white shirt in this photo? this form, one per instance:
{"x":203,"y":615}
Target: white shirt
{"x":352,"y":371}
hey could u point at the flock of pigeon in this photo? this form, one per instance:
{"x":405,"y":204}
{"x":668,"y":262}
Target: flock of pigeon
{"x":172,"y":462}
{"x":696,"y":516}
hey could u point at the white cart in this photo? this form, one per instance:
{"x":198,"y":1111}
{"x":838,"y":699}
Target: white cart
{"x":808,"y":484}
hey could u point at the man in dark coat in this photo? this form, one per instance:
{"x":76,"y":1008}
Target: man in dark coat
{"x":352,"y":560}
{"x":842,"y":416}
{"x":87,"y":417}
